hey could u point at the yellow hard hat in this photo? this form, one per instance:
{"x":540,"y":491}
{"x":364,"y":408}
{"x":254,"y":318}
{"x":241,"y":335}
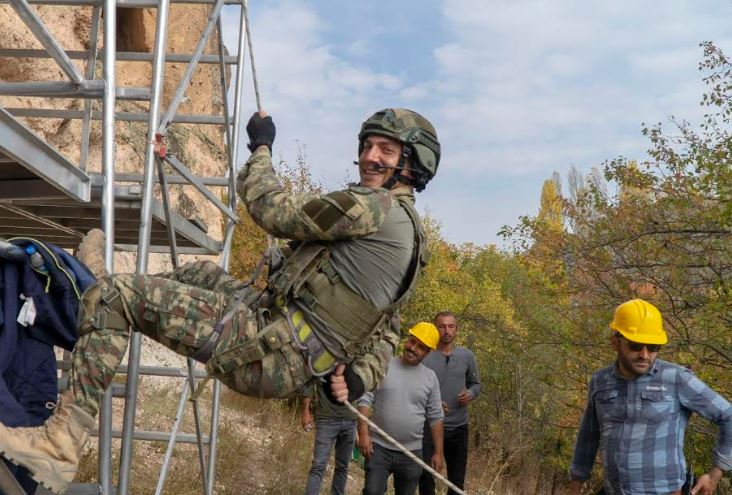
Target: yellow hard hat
{"x":427,"y":333}
{"x":639,"y":321}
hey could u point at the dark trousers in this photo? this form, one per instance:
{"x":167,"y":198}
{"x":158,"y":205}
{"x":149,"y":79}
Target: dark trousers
{"x":456,"y":459}
{"x":384,"y":462}
{"x":328,"y":431}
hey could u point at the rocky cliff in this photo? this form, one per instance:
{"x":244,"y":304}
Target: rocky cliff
{"x":200,"y":147}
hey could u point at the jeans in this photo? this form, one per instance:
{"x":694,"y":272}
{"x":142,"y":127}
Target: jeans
{"x":328,"y":431}
{"x":384,"y":462}
{"x":456,"y":459}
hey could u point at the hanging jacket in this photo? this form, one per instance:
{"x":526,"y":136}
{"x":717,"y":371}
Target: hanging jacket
{"x":27,"y":360}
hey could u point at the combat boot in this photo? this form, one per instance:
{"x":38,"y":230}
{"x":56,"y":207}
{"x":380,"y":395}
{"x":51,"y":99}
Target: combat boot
{"x":50,"y":452}
{"x":91,"y":252}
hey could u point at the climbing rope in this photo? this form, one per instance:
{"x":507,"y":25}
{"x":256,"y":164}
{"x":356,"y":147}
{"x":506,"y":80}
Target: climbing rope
{"x":402,"y":448}
{"x":271,"y":242}
{"x":251,"y":55}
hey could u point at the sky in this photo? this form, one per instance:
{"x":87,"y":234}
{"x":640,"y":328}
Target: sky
{"x":517,"y":89}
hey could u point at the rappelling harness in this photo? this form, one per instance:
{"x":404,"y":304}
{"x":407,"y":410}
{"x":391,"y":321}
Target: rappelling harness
{"x":306,"y":289}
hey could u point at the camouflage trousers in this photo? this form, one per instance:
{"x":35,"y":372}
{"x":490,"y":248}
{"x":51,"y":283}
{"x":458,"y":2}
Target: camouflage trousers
{"x":255,"y":354}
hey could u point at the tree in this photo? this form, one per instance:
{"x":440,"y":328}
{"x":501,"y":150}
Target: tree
{"x":657,"y":229}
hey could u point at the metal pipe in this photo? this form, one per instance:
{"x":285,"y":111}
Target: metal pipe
{"x":161,"y":36}
{"x":42,"y":34}
{"x":227,"y":129}
{"x":108,"y":161}
{"x":245,"y":9}
{"x":177,"y":179}
{"x":226,"y":252}
{"x":188,"y":74}
{"x":158,"y":436}
{"x":91,"y":63}
{"x":171,"y":440}
{"x":166,"y":209}
{"x":190,"y":363}
{"x":197,"y":423}
{"x":8,"y":484}
{"x":147,"y":370}
{"x":121,"y":56}
{"x":238,"y":89}
{"x":104,"y":445}
{"x":56,"y":113}
{"x":164,"y":249}
{"x":216,"y":398}
{"x":37,"y":218}
{"x":64,"y":89}
{"x":59,"y":89}
{"x":214,"y":437}
{"x":182,"y":170}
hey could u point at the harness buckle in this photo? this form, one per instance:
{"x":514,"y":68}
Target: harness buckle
{"x":109,"y":295}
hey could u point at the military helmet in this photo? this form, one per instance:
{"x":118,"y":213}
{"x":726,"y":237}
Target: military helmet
{"x":412,"y":130}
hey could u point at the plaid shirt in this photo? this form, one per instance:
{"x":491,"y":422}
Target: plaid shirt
{"x":639,"y":428}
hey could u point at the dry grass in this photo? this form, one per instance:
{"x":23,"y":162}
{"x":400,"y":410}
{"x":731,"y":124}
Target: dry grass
{"x":263,"y":451}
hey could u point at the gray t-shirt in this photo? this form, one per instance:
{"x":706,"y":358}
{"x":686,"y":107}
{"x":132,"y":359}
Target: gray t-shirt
{"x":456,"y":372}
{"x":405,"y":398}
{"x":374,"y":266}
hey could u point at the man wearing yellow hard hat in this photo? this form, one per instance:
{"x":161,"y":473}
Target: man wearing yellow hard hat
{"x":637,"y":412}
{"x":408,"y":396}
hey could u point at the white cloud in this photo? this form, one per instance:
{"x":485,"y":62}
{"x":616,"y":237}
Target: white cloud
{"x":314,"y":96}
{"x":516,"y":88}
{"x":522,"y":72}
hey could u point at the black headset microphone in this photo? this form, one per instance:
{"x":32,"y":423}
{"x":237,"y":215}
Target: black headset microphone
{"x":381,"y":167}
{"x":374,"y":167}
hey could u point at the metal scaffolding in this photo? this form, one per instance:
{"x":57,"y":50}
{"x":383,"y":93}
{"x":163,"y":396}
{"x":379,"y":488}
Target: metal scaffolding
{"x":43,"y":192}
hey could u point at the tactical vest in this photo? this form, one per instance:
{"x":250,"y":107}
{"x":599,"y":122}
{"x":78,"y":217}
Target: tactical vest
{"x":307,"y":289}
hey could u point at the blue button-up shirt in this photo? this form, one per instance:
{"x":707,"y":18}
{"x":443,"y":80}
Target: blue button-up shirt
{"x":639,"y":426}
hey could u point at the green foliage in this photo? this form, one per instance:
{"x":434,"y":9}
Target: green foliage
{"x":657,"y":229}
{"x":536,"y":317}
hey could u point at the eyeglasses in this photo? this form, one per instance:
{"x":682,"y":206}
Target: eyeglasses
{"x":637,"y":347}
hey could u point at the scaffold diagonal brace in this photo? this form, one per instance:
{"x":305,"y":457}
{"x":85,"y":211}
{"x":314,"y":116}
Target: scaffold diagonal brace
{"x":44,"y":36}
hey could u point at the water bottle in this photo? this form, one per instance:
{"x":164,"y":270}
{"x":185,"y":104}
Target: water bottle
{"x":36,"y":259}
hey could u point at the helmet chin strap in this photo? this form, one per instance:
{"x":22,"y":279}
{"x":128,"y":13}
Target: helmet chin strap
{"x":400,"y":166}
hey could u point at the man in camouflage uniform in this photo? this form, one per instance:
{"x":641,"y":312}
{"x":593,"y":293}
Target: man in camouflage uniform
{"x":329,"y":309}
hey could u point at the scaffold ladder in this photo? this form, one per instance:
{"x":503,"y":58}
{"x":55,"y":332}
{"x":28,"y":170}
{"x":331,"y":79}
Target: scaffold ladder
{"x":43,"y":191}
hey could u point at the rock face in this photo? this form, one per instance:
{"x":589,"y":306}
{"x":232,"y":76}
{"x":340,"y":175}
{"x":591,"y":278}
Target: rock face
{"x":199,"y":147}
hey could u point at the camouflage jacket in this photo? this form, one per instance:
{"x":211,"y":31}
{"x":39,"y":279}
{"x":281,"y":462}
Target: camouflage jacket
{"x":308,"y":217}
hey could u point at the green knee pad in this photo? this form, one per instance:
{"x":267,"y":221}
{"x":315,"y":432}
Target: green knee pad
{"x":101,"y":308}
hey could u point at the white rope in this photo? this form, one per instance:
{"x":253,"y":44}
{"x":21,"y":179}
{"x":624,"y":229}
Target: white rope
{"x":401,"y":447}
{"x":251,"y":54}
{"x":271,"y":241}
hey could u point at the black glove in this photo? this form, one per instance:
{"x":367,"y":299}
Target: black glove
{"x":261,"y":131}
{"x":355,"y":385}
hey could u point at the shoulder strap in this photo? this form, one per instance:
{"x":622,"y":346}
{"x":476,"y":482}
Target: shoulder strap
{"x":420,"y":257}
